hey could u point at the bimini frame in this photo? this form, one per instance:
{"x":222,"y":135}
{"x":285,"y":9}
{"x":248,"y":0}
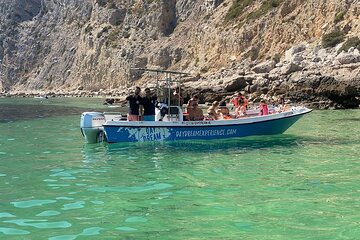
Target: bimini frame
{"x":167,"y":83}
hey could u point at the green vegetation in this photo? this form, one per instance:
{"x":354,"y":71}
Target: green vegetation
{"x":339,"y":16}
{"x":236,"y":9}
{"x":351,"y":42}
{"x":197,"y":61}
{"x":333,"y":38}
{"x":266,"y":6}
{"x":239,"y":5}
{"x":103,"y":30}
{"x":113,"y":38}
{"x":88,"y":29}
{"x":276,"y":57}
{"x":111,"y":5}
{"x":151,"y":1}
{"x":102,"y":3}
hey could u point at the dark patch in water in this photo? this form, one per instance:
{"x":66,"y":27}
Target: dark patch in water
{"x":12,"y":112}
{"x":349,"y":119}
{"x":247,"y":143}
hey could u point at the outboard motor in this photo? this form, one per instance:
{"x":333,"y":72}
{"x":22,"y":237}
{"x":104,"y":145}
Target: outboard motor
{"x":91,"y":126}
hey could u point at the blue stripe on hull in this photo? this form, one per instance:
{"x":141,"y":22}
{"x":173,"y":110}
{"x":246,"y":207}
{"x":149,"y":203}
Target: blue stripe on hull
{"x":142,"y":134}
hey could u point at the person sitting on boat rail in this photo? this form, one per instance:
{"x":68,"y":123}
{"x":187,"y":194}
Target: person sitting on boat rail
{"x":223,"y":111}
{"x":213,"y":110}
{"x":240,"y":111}
{"x":148,"y":102}
{"x":263,"y":108}
{"x":236,"y":99}
{"x":133,"y":105}
{"x":192,"y":108}
{"x":282,"y":106}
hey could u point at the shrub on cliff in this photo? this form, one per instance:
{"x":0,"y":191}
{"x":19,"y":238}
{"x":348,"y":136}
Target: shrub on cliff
{"x":339,"y":16}
{"x":266,"y":6}
{"x":101,"y":3}
{"x":237,"y":8}
{"x":351,"y":42}
{"x":332,"y":39}
{"x":239,"y":5}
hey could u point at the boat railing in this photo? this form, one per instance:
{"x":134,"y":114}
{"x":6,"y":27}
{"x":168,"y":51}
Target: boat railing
{"x":114,"y":116}
{"x":172,"y":114}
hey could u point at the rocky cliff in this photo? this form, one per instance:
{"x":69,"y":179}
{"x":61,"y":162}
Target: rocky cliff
{"x":304,"y":50}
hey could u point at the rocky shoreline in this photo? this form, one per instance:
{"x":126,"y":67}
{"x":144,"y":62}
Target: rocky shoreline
{"x":320,"y":78}
{"x":313,"y":76}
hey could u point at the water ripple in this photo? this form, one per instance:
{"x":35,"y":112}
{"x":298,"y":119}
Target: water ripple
{"x":31,"y":203}
{"x":40,"y":223}
{"x":136,"y":189}
{"x":136,"y":220}
{"x":13,"y":231}
{"x":64,"y":198}
{"x":75,"y":205}
{"x":48,"y":213}
{"x":5,"y":215}
{"x":126,"y":229}
{"x":86,"y":232}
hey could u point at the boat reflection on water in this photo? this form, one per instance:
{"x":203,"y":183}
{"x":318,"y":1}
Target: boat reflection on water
{"x":200,"y":146}
{"x":143,"y":150}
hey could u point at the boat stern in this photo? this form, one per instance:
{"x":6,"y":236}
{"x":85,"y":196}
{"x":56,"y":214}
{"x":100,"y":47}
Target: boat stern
{"x":91,"y":126}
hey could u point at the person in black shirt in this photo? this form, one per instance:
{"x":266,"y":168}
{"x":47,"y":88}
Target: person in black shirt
{"x":133,"y":104}
{"x":148,"y":102}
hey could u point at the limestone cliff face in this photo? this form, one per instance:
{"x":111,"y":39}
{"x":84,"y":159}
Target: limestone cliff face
{"x":90,"y":44}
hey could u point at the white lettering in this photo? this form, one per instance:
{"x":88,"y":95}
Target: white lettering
{"x":205,"y":133}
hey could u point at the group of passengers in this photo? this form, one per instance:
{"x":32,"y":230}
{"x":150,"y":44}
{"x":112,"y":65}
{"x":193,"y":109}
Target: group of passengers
{"x":145,"y":106}
{"x":147,"y":102}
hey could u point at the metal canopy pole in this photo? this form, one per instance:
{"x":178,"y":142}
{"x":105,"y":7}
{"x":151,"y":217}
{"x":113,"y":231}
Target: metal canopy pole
{"x":168,"y":81}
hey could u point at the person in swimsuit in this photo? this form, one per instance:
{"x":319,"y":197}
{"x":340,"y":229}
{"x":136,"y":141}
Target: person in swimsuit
{"x":236,"y":99}
{"x":223,"y":111}
{"x":192,"y":108}
{"x":213,"y":110}
{"x":263,"y":108}
{"x":240,"y":111}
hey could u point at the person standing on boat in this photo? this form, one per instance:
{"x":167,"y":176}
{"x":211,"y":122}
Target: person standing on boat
{"x":133,"y":105}
{"x":192,"y":108}
{"x":149,"y":102}
{"x":177,"y":99}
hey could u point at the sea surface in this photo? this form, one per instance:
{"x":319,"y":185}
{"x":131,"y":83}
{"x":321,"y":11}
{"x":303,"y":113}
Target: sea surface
{"x":303,"y":184}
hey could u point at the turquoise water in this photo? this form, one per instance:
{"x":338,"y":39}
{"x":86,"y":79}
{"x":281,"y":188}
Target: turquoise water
{"x":303,"y":184}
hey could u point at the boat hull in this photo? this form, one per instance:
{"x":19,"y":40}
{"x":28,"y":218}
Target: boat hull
{"x":200,"y":130}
